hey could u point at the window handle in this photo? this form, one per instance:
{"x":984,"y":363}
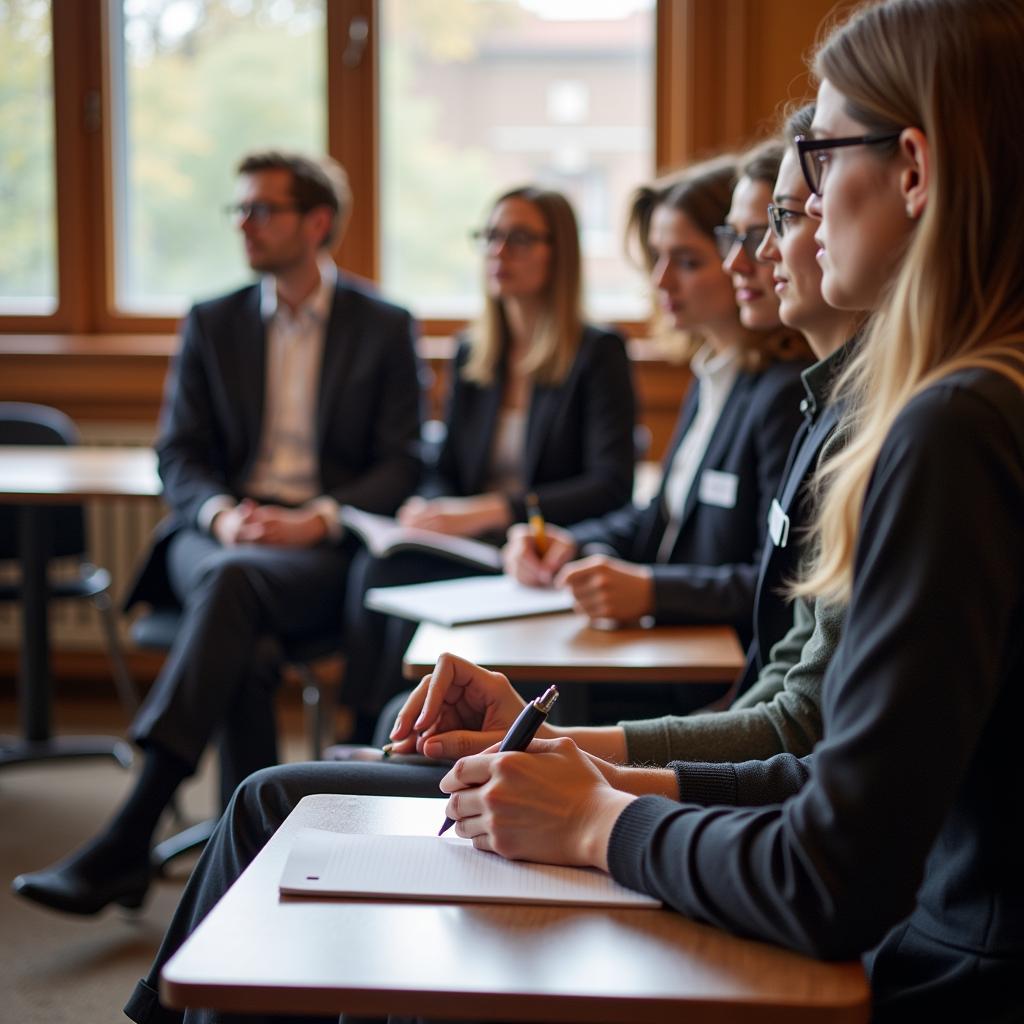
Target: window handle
{"x":358,"y":34}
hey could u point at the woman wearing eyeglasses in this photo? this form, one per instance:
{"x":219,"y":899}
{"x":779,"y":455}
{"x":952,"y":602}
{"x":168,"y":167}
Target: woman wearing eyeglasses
{"x":539,"y":402}
{"x":898,"y":839}
{"x":693,"y":554}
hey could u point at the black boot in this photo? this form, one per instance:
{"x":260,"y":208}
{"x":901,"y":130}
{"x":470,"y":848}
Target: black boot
{"x":90,"y":879}
{"x":114,"y":867}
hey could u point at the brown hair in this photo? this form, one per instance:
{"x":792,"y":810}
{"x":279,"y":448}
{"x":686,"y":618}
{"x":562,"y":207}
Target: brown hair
{"x":780,"y":344}
{"x":702,"y":192}
{"x":557,"y":335}
{"x":316,"y":181}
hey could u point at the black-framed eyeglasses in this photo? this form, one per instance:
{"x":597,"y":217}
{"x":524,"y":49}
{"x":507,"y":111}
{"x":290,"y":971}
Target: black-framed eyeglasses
{"x":517,"y":239}
{"x":780,"y":216}
{"x":727,"y":238}
{"x":258,"y":212}
{"x":814,"y":155}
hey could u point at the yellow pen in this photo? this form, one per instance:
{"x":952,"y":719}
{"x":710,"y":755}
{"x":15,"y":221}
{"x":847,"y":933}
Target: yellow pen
{"x":536,"y":521}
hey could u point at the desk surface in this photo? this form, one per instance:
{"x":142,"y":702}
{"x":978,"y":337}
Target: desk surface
{"x":566,"y":647}
{"x":47,"y":474}
{"x":260,"y":952}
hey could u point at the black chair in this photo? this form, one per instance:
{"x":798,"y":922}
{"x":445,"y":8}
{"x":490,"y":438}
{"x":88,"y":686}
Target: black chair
{"x":156,"y":630}
{"x":63,"y":535}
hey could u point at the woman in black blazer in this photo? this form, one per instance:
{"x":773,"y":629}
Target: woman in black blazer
{"x":539,"y":402}
{"x":693,"y":554}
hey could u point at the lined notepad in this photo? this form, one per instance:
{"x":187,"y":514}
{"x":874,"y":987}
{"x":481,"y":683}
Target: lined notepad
{"x":439,"y":868}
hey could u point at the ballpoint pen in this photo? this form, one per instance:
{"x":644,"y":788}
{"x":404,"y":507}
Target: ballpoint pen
{"x":522,"y":730}
{"x":536,"y":521}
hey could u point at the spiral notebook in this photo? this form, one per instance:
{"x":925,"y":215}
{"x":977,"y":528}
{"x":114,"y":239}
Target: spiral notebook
{"x":439,"y":869}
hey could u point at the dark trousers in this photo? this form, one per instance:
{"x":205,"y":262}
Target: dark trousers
{"x":254,"y":814}
{"x":219,"y":675}
{"x":376,"y":642}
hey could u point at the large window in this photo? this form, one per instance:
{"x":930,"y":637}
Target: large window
{"x":477,"y":96}
{"x":28,"y":262}
{"x":195,"y":84}
{"x":121,"y":122}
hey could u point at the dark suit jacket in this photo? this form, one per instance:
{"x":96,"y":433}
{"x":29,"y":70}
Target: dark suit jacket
{"x":579,"y":435}
{"x":712,"y":573}
{"x":367,"y":420}
{"x":780,"y":562}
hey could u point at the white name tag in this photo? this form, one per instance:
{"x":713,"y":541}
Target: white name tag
{"x":718,"y":488}
{"x":778,"y":525}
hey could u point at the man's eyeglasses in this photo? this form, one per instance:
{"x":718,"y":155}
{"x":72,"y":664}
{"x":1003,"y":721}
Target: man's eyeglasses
{"x":259,"y":212}
{"x":780,"y":216}
{"x":727,"y":238}
{"x":517,"y":239}
{"x":814,"y":153}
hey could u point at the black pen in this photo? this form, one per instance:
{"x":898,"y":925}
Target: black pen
{"x":522,"y":730}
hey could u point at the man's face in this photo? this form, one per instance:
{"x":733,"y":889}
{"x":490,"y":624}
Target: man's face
{"x":278,"y":236}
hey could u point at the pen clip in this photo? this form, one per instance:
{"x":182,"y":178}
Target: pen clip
{"x":546,"y":700}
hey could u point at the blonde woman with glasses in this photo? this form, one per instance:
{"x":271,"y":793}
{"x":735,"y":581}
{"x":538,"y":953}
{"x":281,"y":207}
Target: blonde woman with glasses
{"x":540,"y":402}
{"x":898,"y":838}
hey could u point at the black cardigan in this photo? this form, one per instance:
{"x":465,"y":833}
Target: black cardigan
{"x":579,"y":435}
{"x":902,"y":830}
{"x":712,"y":573}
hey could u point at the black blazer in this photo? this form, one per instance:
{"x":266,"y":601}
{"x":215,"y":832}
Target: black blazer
{"x":579,"y":435}
{"x":712,"y":572}
{"x":367,"y":420}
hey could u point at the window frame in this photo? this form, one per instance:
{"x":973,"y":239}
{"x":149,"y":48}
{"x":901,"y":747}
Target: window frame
{"x":688,"y":35}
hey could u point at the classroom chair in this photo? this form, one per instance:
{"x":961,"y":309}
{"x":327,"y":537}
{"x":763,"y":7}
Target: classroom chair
{"x":25,"y":423}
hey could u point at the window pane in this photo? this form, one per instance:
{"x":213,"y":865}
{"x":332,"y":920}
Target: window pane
{"x":28,"y":270}
{"x":197,"y":83}
{"x":481,"y":95}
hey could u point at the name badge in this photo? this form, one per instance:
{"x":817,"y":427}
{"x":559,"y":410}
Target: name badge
{"x":778,"y":525}
{"x":718,"y":488}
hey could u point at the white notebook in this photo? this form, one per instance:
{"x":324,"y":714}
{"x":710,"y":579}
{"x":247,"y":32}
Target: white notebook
{"x":439,"y":868}
{"x":474,"y":599}
{"x":384,"y":536}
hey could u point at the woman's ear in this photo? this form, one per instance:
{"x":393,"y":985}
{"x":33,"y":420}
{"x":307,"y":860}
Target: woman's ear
{"x":915,"y":175}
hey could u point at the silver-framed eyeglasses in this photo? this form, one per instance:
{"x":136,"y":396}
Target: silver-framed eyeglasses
{"x":781,"y":216}
{"x":517,"y":239}
{"x":259,"y":212}
{"x":727,"y":238}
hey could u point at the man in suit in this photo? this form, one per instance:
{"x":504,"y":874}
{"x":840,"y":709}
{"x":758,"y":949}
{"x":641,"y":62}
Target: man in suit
{"x":288,"y":399}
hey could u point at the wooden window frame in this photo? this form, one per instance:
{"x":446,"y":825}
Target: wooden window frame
{"x":704,"y":99}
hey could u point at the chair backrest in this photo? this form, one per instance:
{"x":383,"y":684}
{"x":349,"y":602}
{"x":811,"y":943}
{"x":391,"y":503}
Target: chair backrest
{"x":28,"y":423}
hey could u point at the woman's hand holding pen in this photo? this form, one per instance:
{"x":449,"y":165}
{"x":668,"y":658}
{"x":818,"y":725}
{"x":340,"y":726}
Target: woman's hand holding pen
{"x":522,"y":561}
{"x":458,"y":709}
{"x":551,"y":803}
{"x":607,"y":588}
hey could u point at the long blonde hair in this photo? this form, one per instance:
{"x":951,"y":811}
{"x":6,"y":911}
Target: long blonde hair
{"x":953,"y":69}
{"x":557,"y":335}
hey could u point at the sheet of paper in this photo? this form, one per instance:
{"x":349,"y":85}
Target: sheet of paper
{"x":474,"y":599}
{"x":439,"y":868}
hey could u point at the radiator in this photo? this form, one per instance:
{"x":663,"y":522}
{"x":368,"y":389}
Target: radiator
{"x":118,"y":533}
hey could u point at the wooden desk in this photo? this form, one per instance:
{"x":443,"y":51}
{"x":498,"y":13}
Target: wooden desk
{"x":41,"y":474}
{"x":552,"y":648}
{"x":34,"y":477}
{"x":260,"y":952}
